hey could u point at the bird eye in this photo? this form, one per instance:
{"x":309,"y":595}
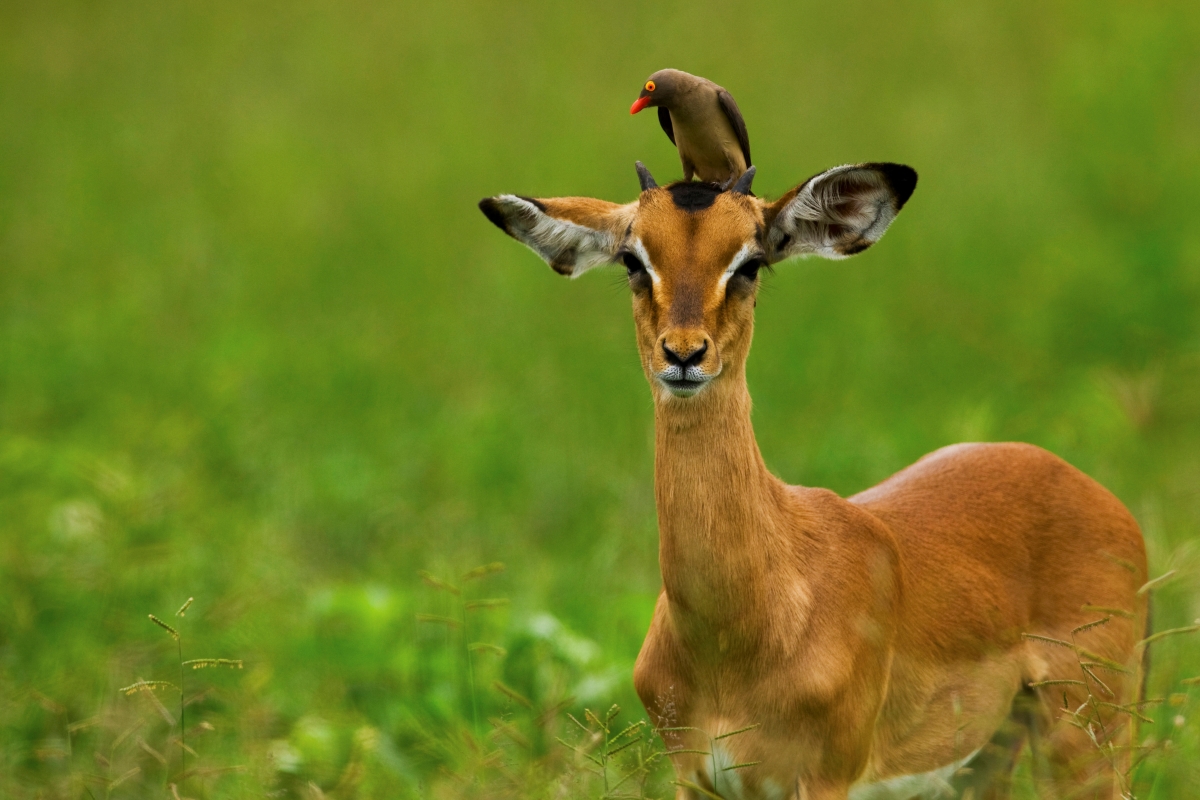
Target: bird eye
{"x":649,"y":86}
{"x":632,"y":264}
{"x":750,"y":269}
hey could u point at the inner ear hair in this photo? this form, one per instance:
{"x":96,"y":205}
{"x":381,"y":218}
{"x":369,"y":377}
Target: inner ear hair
{"x":571,"y":234}
{"x":839,"y":212}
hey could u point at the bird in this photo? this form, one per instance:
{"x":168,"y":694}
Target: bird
{"x":702,"y":120}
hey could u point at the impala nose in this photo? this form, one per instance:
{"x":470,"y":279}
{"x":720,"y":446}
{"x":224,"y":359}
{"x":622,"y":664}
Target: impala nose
{"x":684,"y":358}
{"x":684,"y":361}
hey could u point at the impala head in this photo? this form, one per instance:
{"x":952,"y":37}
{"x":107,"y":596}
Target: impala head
{"x":693,"y":252}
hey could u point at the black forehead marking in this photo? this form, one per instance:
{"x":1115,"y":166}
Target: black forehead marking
{"x":694,"y":196}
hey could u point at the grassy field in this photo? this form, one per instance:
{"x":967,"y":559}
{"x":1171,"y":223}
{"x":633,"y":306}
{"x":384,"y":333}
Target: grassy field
{"x":258,"y":347}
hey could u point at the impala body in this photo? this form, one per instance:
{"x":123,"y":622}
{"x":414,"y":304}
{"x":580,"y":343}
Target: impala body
{"x":872,"y":645}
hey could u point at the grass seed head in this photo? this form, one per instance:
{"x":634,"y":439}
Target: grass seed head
{"x":493,"y":602}
{"x":512,"y":694}
{"x":147,"y":686}
{"x":1090,"y":625}
{"x":1112,"y":612}
{"x":130,"y":774}
{"x":174,"y":633}
{"x":437,"y":583}
{"x":486,"y":647}
{"x":203,"y":663}
{"x":483,"y":571}
{"x":746,"y":729}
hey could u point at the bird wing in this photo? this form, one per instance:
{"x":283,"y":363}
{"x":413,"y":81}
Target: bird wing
{"x":730,"y":107}
{"x":664,"y":119}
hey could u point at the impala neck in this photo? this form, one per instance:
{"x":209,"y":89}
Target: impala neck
{"x":718,"y":506}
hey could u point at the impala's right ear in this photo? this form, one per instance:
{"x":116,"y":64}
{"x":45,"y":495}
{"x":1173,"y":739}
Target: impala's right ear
{"x":571,"y":234}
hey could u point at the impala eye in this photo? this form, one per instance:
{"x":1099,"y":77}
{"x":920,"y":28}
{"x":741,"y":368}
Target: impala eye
{"x":750,"y":269}
{"x":632,"y":264}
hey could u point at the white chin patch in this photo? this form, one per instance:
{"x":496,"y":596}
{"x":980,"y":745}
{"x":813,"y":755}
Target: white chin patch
{"x":677,"y":392}
{"x":678,"y":389}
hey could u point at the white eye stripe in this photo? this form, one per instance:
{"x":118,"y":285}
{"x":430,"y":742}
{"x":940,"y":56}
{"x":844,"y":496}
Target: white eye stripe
{"x":747,"y":252}
{"x":640,"y":251}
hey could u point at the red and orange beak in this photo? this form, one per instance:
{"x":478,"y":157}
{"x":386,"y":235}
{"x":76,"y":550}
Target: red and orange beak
{"x":639,"y":104}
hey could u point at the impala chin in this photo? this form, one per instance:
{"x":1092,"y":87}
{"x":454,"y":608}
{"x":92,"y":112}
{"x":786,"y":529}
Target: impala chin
{"x":684,"y":383}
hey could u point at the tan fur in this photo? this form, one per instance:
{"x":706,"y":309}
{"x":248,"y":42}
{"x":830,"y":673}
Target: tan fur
{"x":868,"y":637}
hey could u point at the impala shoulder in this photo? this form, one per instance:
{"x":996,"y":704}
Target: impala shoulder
{"x":833,"y":513}
{"x":858,"y":547}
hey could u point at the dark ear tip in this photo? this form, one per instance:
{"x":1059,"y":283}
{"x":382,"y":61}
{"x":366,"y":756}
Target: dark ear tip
{"x":491,"y":210}
{"x":902,"y":179}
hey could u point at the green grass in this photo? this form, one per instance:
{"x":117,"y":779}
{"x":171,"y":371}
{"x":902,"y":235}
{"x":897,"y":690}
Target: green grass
{"x":258,"y":346}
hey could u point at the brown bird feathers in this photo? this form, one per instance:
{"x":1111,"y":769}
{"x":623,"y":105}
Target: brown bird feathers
{"x":702,"y":120}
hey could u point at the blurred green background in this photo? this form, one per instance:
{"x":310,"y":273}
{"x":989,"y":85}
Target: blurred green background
{"x":259,"y":347}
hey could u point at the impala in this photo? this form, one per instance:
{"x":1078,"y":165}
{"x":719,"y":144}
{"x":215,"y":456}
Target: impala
{"x":875,"y":646}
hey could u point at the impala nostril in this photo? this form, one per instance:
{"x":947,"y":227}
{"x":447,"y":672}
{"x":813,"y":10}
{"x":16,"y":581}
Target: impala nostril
{"x":672,"y":357}
{"x":692,"y":359}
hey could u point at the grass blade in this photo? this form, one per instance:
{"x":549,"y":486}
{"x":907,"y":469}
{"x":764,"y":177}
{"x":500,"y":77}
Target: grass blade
{"x":1153,"y":584}
{"x":1164,"y":634}
{"x":739,"y":730}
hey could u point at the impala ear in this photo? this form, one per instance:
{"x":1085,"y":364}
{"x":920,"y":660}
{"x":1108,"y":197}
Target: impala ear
{"x":571,"y":234}
{"x":840,"y":212}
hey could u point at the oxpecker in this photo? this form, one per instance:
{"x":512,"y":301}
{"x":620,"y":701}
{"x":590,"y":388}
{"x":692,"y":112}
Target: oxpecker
{"x":703,"y":122}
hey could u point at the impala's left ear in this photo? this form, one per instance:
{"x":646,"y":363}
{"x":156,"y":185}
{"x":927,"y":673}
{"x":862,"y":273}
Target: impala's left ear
{"x":838,"y":213}
{"x":571,"y":234}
